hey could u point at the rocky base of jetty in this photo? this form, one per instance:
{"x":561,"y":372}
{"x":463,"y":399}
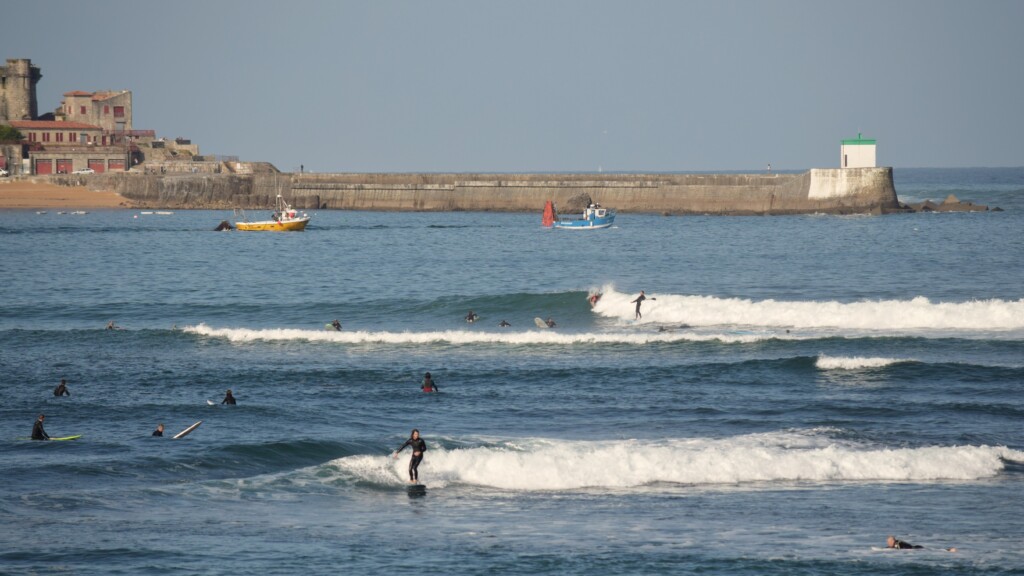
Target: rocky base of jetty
{"x":950,"y":204}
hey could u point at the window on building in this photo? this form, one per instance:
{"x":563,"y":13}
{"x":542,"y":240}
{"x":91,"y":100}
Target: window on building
{"x":118,"y":111}
{"x":73,"y":137}
{"x":46,"y":136}
{"x":81,"y":109}
{"x":31,"y":136}
{"x":106,"y":110}
{"x":60,"y":136}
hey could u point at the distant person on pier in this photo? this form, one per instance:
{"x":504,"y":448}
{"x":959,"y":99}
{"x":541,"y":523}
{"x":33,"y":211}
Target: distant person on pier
{"x":61,"y":389}
{"x":228,"y":399}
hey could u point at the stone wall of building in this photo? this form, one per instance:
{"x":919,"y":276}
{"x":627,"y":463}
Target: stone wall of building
{"x":18,"y":81}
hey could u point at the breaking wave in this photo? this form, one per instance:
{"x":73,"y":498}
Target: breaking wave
{"x":543,"y":464}
{"x":854,"y":363}
{"x":470,"y":337}
{"x":918,"y":313}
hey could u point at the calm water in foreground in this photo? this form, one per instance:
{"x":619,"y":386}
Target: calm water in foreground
{"x":797,"y":389}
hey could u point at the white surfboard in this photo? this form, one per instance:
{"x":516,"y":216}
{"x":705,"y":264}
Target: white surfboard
{"x":540,"y":323}
{"x":187,"y":431}
{"x":211,"y":403}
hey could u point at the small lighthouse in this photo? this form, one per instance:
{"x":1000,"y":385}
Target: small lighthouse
{"x":857,"y":152}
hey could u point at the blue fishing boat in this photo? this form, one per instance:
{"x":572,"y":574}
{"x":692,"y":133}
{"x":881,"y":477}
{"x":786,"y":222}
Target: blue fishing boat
{"x":594,"y":218}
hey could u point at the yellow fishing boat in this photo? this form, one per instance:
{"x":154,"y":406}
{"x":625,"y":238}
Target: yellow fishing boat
{"x":284,"y":219}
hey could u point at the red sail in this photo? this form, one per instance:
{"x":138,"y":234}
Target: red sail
{"x":549,"y":214}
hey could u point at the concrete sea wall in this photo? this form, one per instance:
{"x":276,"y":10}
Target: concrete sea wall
{"x":835,"y":191}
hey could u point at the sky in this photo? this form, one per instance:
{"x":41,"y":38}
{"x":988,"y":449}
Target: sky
{"x":546,"y":85}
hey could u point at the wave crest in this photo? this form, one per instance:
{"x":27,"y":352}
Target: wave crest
{"x":540,"y":464}
{"x":918,"y":313}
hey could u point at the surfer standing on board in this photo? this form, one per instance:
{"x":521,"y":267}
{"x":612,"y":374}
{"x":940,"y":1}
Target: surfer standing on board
{"x":428,"y":384}
{"x":638,"y":300}
{"x":37,"y":429}
{"x":418,"y":448}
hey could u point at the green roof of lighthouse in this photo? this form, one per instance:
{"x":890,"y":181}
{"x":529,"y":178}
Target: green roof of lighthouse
{"x":858,"y":141}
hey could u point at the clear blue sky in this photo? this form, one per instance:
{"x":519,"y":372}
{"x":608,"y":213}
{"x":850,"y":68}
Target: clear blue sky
{"x":547,"y":85}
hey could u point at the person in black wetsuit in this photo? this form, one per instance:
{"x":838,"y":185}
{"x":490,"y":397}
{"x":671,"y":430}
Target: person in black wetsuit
{"x":550,"y":322}
{"x":504,"y":324}
{"x":336,"y":325}
{"x":37,"y":429}
{"x":418,"y":448}
{"x":228,"y":398}
{"x":159,"y":430}
{"x":892,"y":542}
{"x":638,"y":300}
{"x":472,"y":317}
{"x":61,"y":389}
{"x":428,"y":384}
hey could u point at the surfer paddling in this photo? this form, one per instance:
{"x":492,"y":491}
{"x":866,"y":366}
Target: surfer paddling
{"x":37,"y":429}
{"x":418,"y":448}
{"x":892,"y":542}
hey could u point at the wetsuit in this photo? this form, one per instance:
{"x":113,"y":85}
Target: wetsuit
{"x":504,"y":324}
{"x":158,"y":432}
{"x":337,"y":325}
{"x":638,"y":300}
{"x":61,"y":390}
{"x":229,"y":399}
{"x":418,"y":448}
{"x":38,"y":433}
{"x":901,"y":545}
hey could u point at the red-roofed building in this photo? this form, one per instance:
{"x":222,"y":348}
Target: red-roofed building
{"x":111,"y":111}
{"x":56,"y":147}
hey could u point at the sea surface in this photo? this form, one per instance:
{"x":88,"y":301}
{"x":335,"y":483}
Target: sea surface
{"x":798,"y":388}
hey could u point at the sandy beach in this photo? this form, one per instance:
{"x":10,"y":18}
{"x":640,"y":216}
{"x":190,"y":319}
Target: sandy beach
{"x":23,"y":195}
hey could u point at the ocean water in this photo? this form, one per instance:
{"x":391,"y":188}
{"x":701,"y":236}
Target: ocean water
{"x":797,"y":389}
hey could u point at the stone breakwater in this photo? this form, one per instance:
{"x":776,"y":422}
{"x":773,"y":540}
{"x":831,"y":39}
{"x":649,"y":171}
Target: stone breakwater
{"x":832,"y":191}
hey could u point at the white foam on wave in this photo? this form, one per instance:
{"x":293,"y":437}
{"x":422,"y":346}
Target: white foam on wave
{"x":918,"y":313}
{"x":467,"y":336}
{"x":542,"y":464}
{"x":854,"y":363}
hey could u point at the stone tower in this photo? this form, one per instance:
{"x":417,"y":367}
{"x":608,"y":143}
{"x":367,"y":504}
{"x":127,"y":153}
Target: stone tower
{"x":18,"y":90}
